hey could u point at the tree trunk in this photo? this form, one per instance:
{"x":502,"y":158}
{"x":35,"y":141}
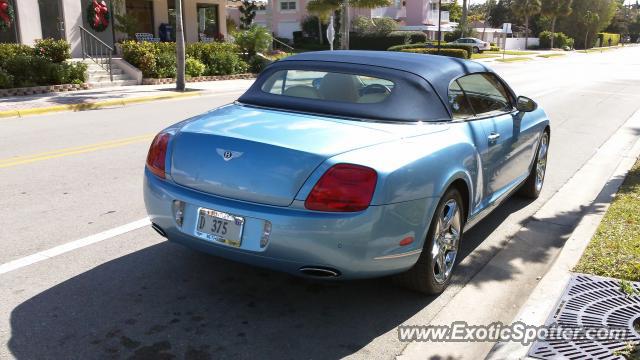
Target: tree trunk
{"x":586,"y":36}
{"x":320,"y":30}
{"x":463,"y":18}
{"x":345,"y":24}
{"x":553,"y":30}
{"x":526,"y":32}
{"x":180,"y":85}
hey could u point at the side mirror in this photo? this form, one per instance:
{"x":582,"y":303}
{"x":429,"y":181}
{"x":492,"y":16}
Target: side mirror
{"x":525,"y":104}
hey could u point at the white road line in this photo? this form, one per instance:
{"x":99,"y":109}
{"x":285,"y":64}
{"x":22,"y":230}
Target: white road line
{"x":72,"y":245}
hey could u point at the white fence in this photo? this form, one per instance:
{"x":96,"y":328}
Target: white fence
{"x":518,"y":43}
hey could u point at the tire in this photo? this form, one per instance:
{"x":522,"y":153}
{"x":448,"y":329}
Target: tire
{"x":534,"y":183}
{"x":476,"y":50}
{"x":426,"y":275}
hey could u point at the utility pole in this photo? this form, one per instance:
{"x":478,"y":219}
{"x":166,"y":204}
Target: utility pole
{"x":180,"y":85}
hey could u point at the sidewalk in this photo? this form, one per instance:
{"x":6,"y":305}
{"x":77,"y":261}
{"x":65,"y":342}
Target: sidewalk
{"x":114,"y":96}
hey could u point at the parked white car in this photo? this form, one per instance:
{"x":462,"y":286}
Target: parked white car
{"x":478,"y":45}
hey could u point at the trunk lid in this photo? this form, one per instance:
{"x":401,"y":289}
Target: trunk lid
{"x":261,"y":156}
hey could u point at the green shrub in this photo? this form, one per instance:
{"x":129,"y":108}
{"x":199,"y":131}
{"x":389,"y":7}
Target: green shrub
{"x":158,"y":60}
{"x":141,"y":55}
{"x":56,"y":51}
{"x":165,"y":65}
{"x":560,"y":40}
{"x":494,"y":48}
{"x":29,"y":70}
{"x":227,"y":63}
{"x":194,"y":67}
{"x":384,"y":42}
{"x":605,"y":37}
{"x":258,"y":63}
{"x":254,"y":40}
{"x":8,"y":51}
{"x":457,"y":53}
{"x":468,"y":49}
{"x":383,"y":26}
{"x":6,"y":79}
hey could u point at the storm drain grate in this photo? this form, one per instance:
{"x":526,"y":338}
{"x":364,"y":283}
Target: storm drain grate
{"x":587,"y":302}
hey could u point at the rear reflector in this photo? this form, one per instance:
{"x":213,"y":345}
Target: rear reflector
{"x":406,"y":241}
{"x":157,"y":154}
{"x":343,"y":188}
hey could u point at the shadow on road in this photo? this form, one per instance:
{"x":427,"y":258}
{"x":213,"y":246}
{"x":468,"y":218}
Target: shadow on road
{"x":166,"y":302}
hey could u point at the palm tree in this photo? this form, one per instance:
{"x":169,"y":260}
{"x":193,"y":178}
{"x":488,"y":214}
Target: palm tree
{"x":323,"y":10}
{"x":526,"y":9}
{"x":463,"y":18}
{"x":329,"y":6}
{"x":590,"y":18}
{"x":554,"y":9}
{"x":179,"y":48}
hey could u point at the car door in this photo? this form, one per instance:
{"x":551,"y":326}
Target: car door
{"x":493,"y":108}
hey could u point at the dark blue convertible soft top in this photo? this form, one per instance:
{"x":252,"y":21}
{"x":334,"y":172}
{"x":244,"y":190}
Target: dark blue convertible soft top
{"x":423,"y":97}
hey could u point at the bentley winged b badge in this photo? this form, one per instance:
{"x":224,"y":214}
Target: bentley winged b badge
{"x":228,"y":154}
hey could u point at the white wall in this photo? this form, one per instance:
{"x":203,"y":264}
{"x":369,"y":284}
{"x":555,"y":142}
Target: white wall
{"x":72,"y":11}
{"x":29,"y":21}
{"x":518,"y":43}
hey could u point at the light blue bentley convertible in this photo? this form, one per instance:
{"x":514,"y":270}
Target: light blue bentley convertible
{"x":349,"y":164}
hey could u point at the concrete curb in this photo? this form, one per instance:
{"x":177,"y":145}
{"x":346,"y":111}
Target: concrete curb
{"x":541,"y":301}
{"x":97,"y":104}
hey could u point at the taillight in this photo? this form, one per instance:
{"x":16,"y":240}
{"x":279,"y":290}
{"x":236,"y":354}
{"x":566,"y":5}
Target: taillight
{"x":344,"y":187}
{"x":157,"y":154}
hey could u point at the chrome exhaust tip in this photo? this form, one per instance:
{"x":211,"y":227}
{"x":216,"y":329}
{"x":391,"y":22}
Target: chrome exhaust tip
{"x":159,"y":230}
{"x":319,"y":272}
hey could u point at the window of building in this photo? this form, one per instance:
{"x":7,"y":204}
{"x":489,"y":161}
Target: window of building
{"x":208,"y":25}
{"x":287,"y":5}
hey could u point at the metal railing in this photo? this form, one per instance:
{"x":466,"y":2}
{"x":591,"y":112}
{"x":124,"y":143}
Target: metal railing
{"x":277,"y":43}
{"x":96,"y":50}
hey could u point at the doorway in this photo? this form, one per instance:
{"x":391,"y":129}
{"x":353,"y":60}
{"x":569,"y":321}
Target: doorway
{"x":51,"y":19}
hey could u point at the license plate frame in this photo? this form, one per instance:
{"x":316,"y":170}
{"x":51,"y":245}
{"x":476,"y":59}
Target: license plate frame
{"x":205,"y":216}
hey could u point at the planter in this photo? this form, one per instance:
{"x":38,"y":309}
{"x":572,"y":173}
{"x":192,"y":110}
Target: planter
{"x":151,"y":81}
{"x":35,"y":90}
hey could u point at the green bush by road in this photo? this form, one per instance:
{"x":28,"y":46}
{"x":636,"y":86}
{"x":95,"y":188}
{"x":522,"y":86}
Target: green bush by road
{"x":457,"y":53}
{"x":614,"y":250}
{"x":158,"y":60}
{"x":43,"y":64}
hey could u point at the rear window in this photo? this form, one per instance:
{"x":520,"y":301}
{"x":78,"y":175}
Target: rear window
{"x":331,"y":86}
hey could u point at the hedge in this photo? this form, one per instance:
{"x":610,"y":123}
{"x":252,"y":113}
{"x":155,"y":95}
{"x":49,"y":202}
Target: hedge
{"x":605,"y":37}
{"x":158,"y":60}
{"x":40,"y":65}
{"x":467,"y":49}
{"x":457,"y":53}
{"x":383,"y":42}
{"x":560,"y":40}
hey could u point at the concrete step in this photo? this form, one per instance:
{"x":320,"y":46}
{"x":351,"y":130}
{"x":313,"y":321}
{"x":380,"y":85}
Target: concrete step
{"x":99,"y":70}
{"x":106,"y":77}
{"x":114,"y":83}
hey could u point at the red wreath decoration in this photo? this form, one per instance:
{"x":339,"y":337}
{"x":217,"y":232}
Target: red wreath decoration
{"x":98,"y":15}
{"x":6,"y":15}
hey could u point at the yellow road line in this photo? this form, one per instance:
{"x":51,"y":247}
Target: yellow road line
{"x":20,"y":160}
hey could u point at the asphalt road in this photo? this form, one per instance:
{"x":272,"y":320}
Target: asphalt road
{"x":67,"y":176}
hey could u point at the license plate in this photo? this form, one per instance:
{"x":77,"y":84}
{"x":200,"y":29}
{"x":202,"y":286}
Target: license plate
{"x":220,"y":227}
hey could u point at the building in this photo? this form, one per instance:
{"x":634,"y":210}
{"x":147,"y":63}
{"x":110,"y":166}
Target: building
{"x":61,"y":19}
{"x":284,"y":17}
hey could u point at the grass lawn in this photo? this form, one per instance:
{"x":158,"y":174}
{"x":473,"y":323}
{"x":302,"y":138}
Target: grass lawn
{"x":511,"y":52}
{"x":614,"y":250}
{"x":549,"y":55}
{"x":483,"y":56}
{"x":514,"y":59}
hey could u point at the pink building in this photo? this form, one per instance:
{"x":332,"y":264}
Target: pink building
{"x":283,"y":17}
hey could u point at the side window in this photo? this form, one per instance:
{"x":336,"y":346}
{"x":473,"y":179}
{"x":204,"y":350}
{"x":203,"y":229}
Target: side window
{"x":459,"y":104}
{"x":485,"y":93}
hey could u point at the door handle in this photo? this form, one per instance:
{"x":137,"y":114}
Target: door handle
{"x":493,"y":137}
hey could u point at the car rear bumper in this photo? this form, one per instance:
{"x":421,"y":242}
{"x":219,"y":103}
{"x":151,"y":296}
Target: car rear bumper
{"x":355,"y":245}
